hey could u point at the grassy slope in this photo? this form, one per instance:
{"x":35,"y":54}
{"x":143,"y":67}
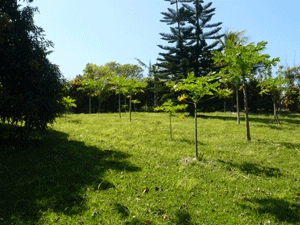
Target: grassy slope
{"x":93,"y":169}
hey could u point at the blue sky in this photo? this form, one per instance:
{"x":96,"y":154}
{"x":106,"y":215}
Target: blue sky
{"x":101,"y":31}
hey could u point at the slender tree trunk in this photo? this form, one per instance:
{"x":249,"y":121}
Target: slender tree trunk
{"x":155,"y":94}
{"x":225,"y":106}
{"x":171,"y":125}
{"x":275,"y":113}
{"x":90,"y":104}
{"x":130,"y":108}
{"x":237,"y":106}
{"x":119,"y":105}
{"x":196,"y":135}
{"x":99,"y":109}
{"x":246,"y":112}
{"x":125,"y":104}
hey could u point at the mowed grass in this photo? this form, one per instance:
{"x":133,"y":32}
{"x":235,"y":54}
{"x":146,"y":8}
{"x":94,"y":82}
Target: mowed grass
{"x":100,"y":169}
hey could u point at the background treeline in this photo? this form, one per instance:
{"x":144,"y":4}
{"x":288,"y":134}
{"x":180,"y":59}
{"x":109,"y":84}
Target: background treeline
{"x":33,"y":91}
{"x":156,"y":91}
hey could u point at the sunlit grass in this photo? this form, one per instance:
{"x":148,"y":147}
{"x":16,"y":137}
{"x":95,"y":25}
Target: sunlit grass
{"x":100,"y":169}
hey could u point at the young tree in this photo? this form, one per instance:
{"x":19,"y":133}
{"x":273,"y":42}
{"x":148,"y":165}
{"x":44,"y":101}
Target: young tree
{"x":31,"y":85}
{"x":135,"y":101}
{"x":240,"y":62}
{"x":238,"y":38}
{"x":118,"y":84}
{"x":89,"y":86}
{"x":170,"y":108}
{"x":102,"y":87}
{"x":68,"y":103}
{"x":197,"y":88}
{"x":131,"y":87}
{"x":292,"y":95}
{"x":274,"y":87}
{"x":152,"y":74}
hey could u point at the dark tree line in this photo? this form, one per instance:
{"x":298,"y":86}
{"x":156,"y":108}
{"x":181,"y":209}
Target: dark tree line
{"x":109,"y":103}
{"x":30,"y":85}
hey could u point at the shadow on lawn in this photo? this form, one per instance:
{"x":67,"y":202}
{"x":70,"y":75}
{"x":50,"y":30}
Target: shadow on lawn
{"x":53,"y":174}
{"x":292,"y":119}
{"x":254,"y":168}
{"x":290,"y":145}
{"x":182,"y":217}
{"x":281,"y":209}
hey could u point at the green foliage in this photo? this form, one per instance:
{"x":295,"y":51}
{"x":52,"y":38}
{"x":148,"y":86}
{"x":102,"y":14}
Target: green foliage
{"x":128,"y":87}
{"x":132,"y":87}
{"x":273,"y":85}
{"x":191,"y":51}
{"x":31,"y":85}
{"x":237,"y":37}
{"x":68,"y":102}
{"x":88,"y":86}
{"x":292,"y":94}
{"x":135,"y":101}
{"x":240,"y":61}
{"x":169,"y":107}
{"x":198,"y":87}
{"x":118,"y":84}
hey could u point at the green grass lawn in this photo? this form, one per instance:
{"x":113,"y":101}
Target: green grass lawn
{"x":99,"y":169}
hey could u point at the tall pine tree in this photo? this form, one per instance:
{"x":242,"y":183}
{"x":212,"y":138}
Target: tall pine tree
{"x":175,"y":61}
{"x":201,"y":60}
{"x":192,"y":51}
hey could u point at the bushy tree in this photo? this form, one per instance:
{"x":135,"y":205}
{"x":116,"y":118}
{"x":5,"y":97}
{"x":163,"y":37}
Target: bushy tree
{"x":274,"y":87}
{"x":30,"y":84}
{"x":196,"y":88}
{"x":240,"y":62}
{"x":132,"y":87}
{"x":118,"y":84}
{"x":292,"y":94}
{"x":237,"y":38}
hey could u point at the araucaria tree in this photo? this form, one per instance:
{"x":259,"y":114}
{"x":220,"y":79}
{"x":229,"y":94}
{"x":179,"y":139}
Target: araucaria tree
{"x":175,"y":61}
{"x":201,"y":60}
{"x":30,"y":89}
{"x":191,"y":51}
{"x":240,"y":62}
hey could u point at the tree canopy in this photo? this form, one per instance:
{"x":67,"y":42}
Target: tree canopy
{"x":30,"y":84}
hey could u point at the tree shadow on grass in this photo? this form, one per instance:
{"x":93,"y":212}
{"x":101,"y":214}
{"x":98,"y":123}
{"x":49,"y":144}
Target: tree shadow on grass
{"x":253,"y":168}
{"x":269,"y":121}
{"x":182,"y":218}
{"x":52,"y":173}
{"x":123,"y":210}
{"x":281,"y":209}
{"x":290,"y":146}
